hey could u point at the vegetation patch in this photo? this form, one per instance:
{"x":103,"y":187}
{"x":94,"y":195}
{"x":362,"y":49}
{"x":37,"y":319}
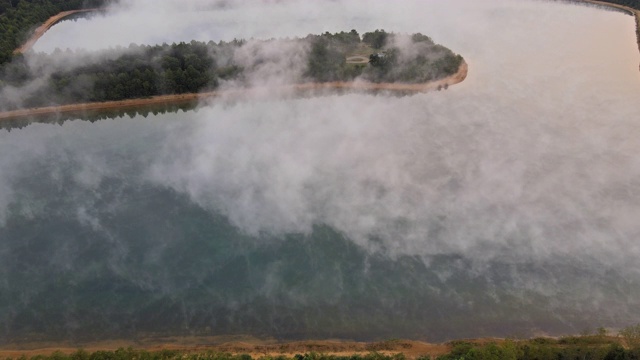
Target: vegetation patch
{"x":591,"y":347}
{"x":142,"y":71}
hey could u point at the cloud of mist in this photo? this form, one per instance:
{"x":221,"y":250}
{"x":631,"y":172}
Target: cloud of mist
{"x":490,"y":171}
{"x":272,"y":63}
{"x":530,"y":162}
{"x":39,"y":67}
{"x":420,"y":183}
{"x":494,"y":172}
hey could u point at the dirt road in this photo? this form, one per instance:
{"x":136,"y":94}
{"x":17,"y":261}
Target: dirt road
{"x":44,"y":27}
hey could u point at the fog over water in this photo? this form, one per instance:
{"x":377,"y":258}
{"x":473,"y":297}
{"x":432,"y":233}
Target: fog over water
{"x":506,"y":205}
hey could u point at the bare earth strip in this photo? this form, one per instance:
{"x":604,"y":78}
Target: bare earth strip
{"x":239,"y":344}
{"x":44,"y":27}
{"x":185,"y":98}
{"x":243,"y":345}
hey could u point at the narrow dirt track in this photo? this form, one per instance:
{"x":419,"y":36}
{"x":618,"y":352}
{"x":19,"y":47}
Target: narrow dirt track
{"x":240,"y":93}
{"x":38,"y":32}
{"x":357,"y":59}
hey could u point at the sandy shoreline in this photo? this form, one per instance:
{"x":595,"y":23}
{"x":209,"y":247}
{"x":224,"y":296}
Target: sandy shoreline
{"x":456,"y":78}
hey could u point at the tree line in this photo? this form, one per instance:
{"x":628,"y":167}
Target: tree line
{"x":19,"y":17}
{"x":142,"y":71}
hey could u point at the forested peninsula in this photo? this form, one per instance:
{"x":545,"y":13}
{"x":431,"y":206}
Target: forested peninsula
{"x":144,"y":71}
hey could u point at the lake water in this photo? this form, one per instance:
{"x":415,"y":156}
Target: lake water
{"x":505,"y":206}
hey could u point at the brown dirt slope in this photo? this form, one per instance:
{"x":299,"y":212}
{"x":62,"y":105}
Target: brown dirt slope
{"x":38,"y":32}
{"x":240,"y":345}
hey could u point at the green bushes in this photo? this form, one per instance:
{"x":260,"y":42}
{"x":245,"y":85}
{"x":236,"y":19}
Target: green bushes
{"x":591,"y":347}
{"x":376,"y":39}
{"x":492,"y":351}
{"x":631,"y":335}
{"x":325,"y":63}
{"x":584,"y":340}
{"x":144,"y":72}
{"x":389,"y":61}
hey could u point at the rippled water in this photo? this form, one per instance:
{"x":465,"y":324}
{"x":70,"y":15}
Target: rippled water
{"x":504,"y":206}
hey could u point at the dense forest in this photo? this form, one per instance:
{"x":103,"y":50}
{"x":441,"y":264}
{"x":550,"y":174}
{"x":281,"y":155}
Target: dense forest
{"x":19,"y":17}
{"x":388,"y":60}
{"x":143,"y":71}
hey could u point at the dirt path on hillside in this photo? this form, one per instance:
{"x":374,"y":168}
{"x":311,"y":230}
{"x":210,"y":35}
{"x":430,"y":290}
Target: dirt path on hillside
{"x":44,"y":27}
{"x":240,"y":93}
{"x":358,"y":59}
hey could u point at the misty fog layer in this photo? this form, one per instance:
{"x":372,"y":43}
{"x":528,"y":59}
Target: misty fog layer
{"x":505,"y":205}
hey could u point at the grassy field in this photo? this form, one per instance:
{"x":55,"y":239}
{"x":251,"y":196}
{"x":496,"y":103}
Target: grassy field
{"x":592,"y":347}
